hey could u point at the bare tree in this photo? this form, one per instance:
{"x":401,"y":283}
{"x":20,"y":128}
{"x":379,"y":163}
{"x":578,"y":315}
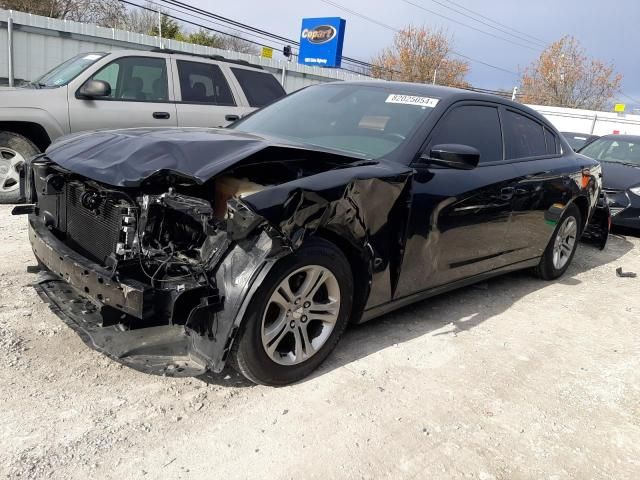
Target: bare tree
{"x":423,"y":55}
{"x":108,"y":13}
{"x":140,"y":20}
{"x":564,"y":76}
{"x":238,"y":45}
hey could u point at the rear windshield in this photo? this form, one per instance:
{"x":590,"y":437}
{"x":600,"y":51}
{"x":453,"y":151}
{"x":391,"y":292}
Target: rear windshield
{"x":260,"y":88}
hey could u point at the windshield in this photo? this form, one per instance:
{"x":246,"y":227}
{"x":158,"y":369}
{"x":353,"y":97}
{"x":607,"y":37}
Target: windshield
{"x":67,"y":71}
{"x":614,"y":150}
{"x":371,"y":121}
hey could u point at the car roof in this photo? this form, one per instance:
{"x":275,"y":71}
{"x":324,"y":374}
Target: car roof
{"x":448,"y":94}
{"x":588,"y":135}
{"x":190,"y":56}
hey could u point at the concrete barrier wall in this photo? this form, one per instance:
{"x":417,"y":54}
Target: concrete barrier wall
{"x":590,"y":121}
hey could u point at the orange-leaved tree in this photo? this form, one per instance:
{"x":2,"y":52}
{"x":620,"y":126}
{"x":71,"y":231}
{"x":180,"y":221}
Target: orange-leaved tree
{"x":564,"y":76}
{"x":423,"y":55}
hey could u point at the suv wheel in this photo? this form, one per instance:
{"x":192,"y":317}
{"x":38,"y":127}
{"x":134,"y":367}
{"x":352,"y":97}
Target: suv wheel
{"x":14,"y":150}
{"x":296,"y":316}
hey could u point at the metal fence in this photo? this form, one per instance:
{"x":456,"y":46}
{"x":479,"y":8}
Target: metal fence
{"x":31,"y":45}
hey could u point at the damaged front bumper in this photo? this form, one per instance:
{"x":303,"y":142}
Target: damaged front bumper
{"x":111,"y":316}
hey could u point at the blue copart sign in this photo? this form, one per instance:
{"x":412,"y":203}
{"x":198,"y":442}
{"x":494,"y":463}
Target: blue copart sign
{"x":321,"y":41}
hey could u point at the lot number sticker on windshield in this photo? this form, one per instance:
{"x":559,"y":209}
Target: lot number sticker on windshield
{"x":412,"y":100}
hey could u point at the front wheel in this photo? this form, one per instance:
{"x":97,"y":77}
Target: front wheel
{"x":14,"y":151}
{"x":562,"y":246}
{"x":296,"y":316}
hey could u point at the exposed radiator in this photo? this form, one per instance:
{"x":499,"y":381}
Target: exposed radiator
{"x":94,"y":232}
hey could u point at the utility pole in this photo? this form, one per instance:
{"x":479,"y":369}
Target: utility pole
{"x":435,"y":72}
{"x":10,"y":49}
{"x":160,"y":29}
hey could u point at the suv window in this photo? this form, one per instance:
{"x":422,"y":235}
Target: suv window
{"x":473,"y":125}
{"x":136,"y":78}
{"x":260,"y":88}
{"x":523,"y":136}
{"x":203,"y":83}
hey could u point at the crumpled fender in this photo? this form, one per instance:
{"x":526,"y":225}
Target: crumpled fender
{"x":366,"y":207}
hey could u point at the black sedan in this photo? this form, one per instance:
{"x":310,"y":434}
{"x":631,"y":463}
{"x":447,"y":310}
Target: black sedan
{"x":620,"y":159}
{"x":177,"y":250}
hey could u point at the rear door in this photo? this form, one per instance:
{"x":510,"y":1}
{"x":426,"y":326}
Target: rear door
{"x":460,"y":218}
{"x":140,"y":96}
{"x":546,"y":181}
{"x":205,"y":98}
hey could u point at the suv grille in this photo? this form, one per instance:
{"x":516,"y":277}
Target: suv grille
{"x":94,"y":232}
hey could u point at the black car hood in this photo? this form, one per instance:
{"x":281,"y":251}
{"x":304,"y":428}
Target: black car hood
{"x":619,"y":176}
{"x":127,"y":157}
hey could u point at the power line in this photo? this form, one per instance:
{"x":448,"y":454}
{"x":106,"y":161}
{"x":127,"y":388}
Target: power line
{"x":206,"y":27}
{"x":174,"y":9}
{"x":628,"y":97}
{"x":195,"y":24}
{"x":265,"y":33}
{"x":388,"y":27}
{"x":497,"y":23}
{"x":535,"y":42}
{"x":468,"y":26}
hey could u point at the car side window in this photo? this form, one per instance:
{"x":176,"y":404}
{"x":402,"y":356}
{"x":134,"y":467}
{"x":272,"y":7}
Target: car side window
{"x":203,"y":83}
{"x":477,"y":126}
{"x":260,"y":88}
{"x":551,"y":139}
{"x":136,"y":78}
{"x":523,"y":136}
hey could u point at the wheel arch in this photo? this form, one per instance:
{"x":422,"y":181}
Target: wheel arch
{"x":33,"y":131}
{"x":360,"y":270}
{"x":583,"y":206}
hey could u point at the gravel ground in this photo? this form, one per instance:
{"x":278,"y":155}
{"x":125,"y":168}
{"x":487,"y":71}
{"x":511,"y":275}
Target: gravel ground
{"x":510,"y":379}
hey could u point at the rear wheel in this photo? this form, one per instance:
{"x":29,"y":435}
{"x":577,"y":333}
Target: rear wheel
{"x":562,"y":246}
{"x":14,"y":151}
{"x":296,"y":316}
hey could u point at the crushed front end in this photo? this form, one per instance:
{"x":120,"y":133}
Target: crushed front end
{"x":152,"y":243}
{"x":135,"y":271}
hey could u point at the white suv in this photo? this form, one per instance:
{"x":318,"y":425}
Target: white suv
{"x":125,"y":89}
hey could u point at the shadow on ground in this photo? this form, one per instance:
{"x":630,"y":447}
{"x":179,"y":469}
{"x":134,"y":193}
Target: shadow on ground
{"x":461,"y":309}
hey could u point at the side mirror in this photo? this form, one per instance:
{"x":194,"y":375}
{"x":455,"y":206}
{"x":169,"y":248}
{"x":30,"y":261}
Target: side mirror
{"x":462,"y":157}
{"x":94,"y":89}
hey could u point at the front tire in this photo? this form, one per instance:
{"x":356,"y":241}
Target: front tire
{"x":14,"y":151}
{"x":296,"y":316}
{"x":562,"y":247}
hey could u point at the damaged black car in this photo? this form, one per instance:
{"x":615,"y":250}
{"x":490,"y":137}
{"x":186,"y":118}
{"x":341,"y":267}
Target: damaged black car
{"x":175,"y":251}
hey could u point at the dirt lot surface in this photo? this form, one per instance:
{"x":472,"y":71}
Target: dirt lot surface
{"x":514,"y":378}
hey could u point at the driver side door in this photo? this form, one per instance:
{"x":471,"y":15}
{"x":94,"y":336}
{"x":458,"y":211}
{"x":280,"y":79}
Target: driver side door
{"x":140,"y":97}
{"x":460,"y":218}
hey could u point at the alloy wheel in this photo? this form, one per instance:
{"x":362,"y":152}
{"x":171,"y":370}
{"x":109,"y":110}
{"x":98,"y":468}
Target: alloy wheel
{"x":300,"y":315}
{"x":564,"y":242}
{"x":10,"y":161}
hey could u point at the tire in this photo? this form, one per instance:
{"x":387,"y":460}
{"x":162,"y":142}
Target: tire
{"x":270,"y":309}
{"x":14,"y":150}
{"x":570,"y":225}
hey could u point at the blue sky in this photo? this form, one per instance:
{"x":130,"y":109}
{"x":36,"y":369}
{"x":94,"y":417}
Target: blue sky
{"x":608,"y":30}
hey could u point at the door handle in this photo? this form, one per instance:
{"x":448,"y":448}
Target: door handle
{"x":161,"y":115}
{"x":507,"y":193}
{"x":232,"y":118}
